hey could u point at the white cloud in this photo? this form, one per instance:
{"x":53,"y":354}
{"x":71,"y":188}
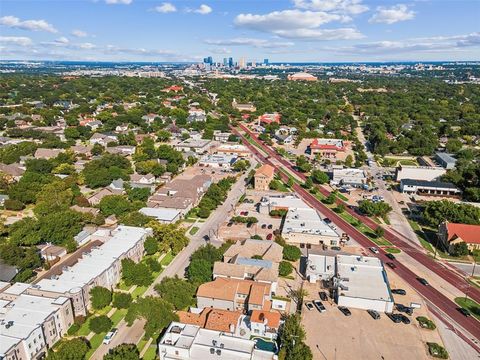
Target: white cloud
{"x":79,"y":33}
{"x":33,"y":25}
{"x":16,"y":40}
{"x":393,"y":14}
{"x":322,"y":34}
{"x":353,"y":7}
{"x":86,"y":45}
{"x":115,"y":2}
{"x":166,"y":7}
{"x":202,"y":10}
{"x":258,"y":43}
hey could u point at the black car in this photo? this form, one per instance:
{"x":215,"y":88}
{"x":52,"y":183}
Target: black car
{"x":320,"y":307}
{"x":390,"y":256}
{"x":270,"y":226}
{"x":406,"y":309}
{"x":399,"y":291}
{"x":309,"y":305}
{"x":336,"y":248}
{"x":423,"y":281}
{"x":374,"y":314}
{"x":396,"y":318}
{"x":345,"y":311}
{"x":323,"y":296}
{"x":249,"y":225}
{"x":264,"y":226}
{"x":230,"y":224}
{"x":404,"y":319}
{"x":464,"y":312}
{"x":327,"y":221}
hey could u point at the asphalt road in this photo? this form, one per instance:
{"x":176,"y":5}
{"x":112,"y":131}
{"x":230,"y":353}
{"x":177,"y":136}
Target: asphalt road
{"x":134,"y":333}
{"x":467,"y":328}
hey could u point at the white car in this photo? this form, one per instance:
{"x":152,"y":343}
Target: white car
{"x":108,"y":338}
{"x":374,"y":250}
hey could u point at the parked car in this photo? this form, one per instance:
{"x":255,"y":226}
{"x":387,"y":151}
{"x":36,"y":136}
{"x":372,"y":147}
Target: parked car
{"x":249,"y":225}
{"x":309,"y":305}
{"x":269,"y":236}
{"x":345,"y":311}
{"x":270,"y":227}
{"x":464,"y":311}
{"x":374,"y":314}
{"x":399,"y":291}
{"x":320,"y":307}
{"x":373,"y":249}
{"x":336,"y":248}
{"x":391,"y":265}
{"x":396,"y":318}
{"x":406,"y":309}
{"x":108,"y":338}
{"x":390,"y":256}
{"x":423,"y":281}
{"x":230,"y":224}
{"x":327,"y":221}
{"x":264,"y":226}
{"x":404,"y":319}
{"x":323,"y":295}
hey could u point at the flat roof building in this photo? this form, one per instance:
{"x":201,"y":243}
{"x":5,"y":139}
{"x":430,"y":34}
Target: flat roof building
{"x":183,"y":341}
{"x":349,"y":176}
{"x":427,"y":173}
{"x":445,"y":160}
{"x":162,"y":215}
{"x":429,"y":188}
{"x":219,"y":161}
{"x":199,"y":146}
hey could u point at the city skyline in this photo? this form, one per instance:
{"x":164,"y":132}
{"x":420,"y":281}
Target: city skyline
{"x":282,"y":31}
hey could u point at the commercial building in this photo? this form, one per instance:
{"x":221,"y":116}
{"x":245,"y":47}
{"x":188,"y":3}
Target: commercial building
{"x":263,"y":176}
{"x":243,"y":107}
{"x":305,"y":226}
{"x":426,"y":173}
{"x":349,"y":177}
{"x":218,"y":161}
{"x":183,"y":341}
{"x":30,"y":325}
{"x":429,"y":188}
{"x":162,"y":215}
{"x":280,"y":202}
{"x":301,"y":76}
{"x":330,"y":149}
{"x":221,"y":136}
{"x":319,"y":267}
{"x":267,"y":250}
{"x":99,"y":267}
{"x":233,"y":149}
{"x":447,"y":161}
{"x":361,"y":282}
{"x":451,"y":234}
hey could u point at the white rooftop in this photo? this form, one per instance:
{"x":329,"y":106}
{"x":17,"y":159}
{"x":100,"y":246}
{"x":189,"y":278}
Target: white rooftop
{"x":161,"y":214}
{"x":218,"y":159}
{"x":366,"y":276}
{"x":286,"y":201}
{"x":94,"y":263}
{"x":17,"y":288}
{"x":6,"y":343}
{"x":306,"y":221}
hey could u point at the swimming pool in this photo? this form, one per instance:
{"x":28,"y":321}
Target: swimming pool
{"x":266,"y":345}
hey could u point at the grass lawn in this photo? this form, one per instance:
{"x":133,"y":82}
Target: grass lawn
{"x":379,"y":241}
{"x":122,"y":286}
{"x":95,"y":342}
{"x":103,"y":311}
{"x":118,"y":316}
{"x":470,"y":305}
{"x":392,"y":250}
{"x":151,"y":353}
{"x":189,"y":220}
{"x":84,"y":329}
{"x":167,"y":259}
{"x":138,"y":291}
{"x":194,"y":230}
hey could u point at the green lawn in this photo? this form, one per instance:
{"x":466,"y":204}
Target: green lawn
{"x":167,"y":259}
{"x":151,"y":353}
{"x":378,"y":241}
{"x":103,"y":311}
{"x":392,"y":250}
{"x":118,"y":316}
{"x":139,"y":291}
{"x":122,"y":286}
{"x":84,"y":329}
{"x":470,"y":305}
{"x":194,"y":230}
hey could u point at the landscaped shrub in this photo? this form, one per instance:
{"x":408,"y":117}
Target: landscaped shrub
{"x":426,"y":323}
{"x":291,"y":253}
{"x":285,"y":268}
{"x":437,"y":351}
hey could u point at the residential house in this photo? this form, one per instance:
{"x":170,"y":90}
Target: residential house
{"x":451,"y":234}
{"x":200,"y":146}
{"x":263,"y":176}
{"x":51,"y":252}
{"x":100,"y":194}
{"x":103,"y":139}
{"x":221,"y":136}
{"x":14,"y":172}
{"x":47,"y":153}
{"x":123,"y":150}
{"x":243,"y":107}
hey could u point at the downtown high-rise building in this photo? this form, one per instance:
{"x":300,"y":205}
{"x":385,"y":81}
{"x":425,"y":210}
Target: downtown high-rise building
{"x":230,"y":62}
{"x":225,"y":62}
{"x":241,"y":63}
{"x":265,"y":61}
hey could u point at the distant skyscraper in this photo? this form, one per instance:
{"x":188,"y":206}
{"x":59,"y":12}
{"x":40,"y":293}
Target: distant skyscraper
{"x":265,"y":61}
{"x":208,"y":60}
{"x":241,"y":63}
{"x":230,"y":62}
{"x":225,"y":62}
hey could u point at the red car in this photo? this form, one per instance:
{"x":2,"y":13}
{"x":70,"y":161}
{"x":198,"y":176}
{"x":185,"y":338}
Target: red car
{"x":269,"y":236}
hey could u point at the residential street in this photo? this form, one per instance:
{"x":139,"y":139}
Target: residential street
{"x":209,"y":228}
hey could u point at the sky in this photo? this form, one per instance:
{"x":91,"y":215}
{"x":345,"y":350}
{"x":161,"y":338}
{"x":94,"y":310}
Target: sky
{"x":279,"y":30}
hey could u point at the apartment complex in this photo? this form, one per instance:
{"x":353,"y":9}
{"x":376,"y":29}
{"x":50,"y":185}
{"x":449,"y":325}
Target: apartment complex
{"x":331,"y":149}
{"x":263,"y":177}
{"x":29,"y":324}
{"x":101,"y":266}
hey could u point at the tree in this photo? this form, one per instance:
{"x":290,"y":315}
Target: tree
{"x":157,"y":312}
{"x":122,"y":300}
{"x":123,"y":352}
{"x":114,"y":205}
{"x":100,"y":324}
{"x":13,"y":205}
{"x":291,"y":253}
{"x":203,"y":212}
{"x":319,"y":177}
{"x":135,"y":218}
{"x":180,"y":293}
{"x":308,"y":183}
{"x":292,"y":339}
{"x":136,"y":274}
{"x":150,"y":245}
{"x":303,"y":164}
{"x":169,"y":236}
{"x":100,"y":297}
{"x":74,"y":349}
{"x":330,"y":199}
{"x":241,"y":165}
{"x":379,"y":231}
{"x":436,"y":212}
{"x":371,"y":208}
{"x":199,"y":271}
{"x":459,"y":249}
{"x":163,"y":135}
{"x":97,"y":149}
{"x":285,"y":268}
{"x":138,"y":194}
{"x":349,"y":161}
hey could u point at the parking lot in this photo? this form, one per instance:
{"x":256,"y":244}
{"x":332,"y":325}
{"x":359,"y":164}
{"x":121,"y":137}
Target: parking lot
{"x":332,"y":335}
